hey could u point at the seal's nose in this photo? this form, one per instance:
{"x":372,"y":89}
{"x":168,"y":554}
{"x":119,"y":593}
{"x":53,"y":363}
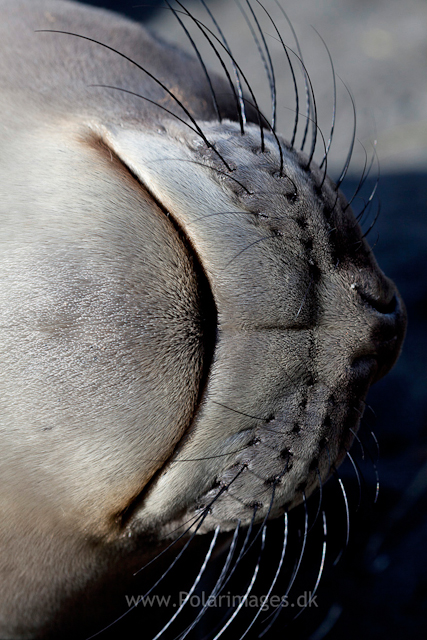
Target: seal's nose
{"x":387,"y":331}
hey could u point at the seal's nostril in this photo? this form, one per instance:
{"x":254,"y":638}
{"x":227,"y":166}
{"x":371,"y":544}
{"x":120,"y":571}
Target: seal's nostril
{"x":380,"y":305}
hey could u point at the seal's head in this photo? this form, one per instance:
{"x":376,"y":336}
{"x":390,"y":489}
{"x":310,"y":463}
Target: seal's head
{"x":191,"y":315}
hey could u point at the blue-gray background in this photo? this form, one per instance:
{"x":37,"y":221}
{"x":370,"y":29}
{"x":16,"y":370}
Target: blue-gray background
{"x":379,"y":589}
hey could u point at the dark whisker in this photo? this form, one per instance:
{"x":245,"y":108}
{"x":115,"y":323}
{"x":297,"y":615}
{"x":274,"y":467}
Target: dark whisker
{"x":246,"y":248}
{"x":260,"y":116}
{"x":270,"y":72}
{"x":238,"y":83}
{"x":315,"y":128}
{"x":350,"y":151}
{"x":150,"y":75}
{"x":222,"y":213}
{"x":272,"y":126}
{"x":307,"y":92}
{"x":138,"y":95}
{"x":313,"y":120}
{"x":218,"y":455}
{"x":307,"y":114}
{"x":202,"y":164}
{"x":373,"y":222}
{"x":362,"y":178}
{"x":334,"y":107}
{"x":200,"y":59}
{"x":241,"y":413}
{"x":202,"y":28}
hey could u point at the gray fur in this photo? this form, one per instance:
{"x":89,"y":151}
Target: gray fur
{"x":104,"y":341}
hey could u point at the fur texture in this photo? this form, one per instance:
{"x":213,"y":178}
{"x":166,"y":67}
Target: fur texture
{"x":176,"y":317}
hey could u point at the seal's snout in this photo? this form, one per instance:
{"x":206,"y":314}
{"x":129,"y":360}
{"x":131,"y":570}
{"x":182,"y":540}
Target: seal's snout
{"x":382,"y":318}
{"x":388,"y":333}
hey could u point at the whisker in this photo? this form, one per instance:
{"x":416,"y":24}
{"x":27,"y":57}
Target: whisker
{"x":200,"y":59}
{"x":218,"y":584}
{"x":260,"y":116}
{"x":362,"y":178}
{"x":207,"y":166}
{"x":320,"y":572}
{"x":150,"y":75}
{"x":193,"y":586}
{"x":347,"y":511}
{"x":374,"y":464}
{"x":241,"y":413}
{"x":359,"y":442}
{"x":236,"y":74}
{"x":374,"y":221}
{"x":334,"y":108}
{"x":275,"y":577}
{"x":350,"y":151}
{"x":270,"y":506}
{"x":202,"y":517}
{"x":372,"y":194}
{"x":246,"y":249}
{"x":249,"y":588}
{"x":275,"y":614}
{"x":270,"y":74}
{"x":222,"y":582}
{"x":177,"y":557}
{"x":295,"y":129}
{"x":305,"y":297}
{"x":374,"y":438}
{"x":222,"y":213}
{"x":202,"y":28}
{"x":359,"y":501}
{"x":307,"y":92}
{"x":218,"y":455}
{"x":138,"y":95}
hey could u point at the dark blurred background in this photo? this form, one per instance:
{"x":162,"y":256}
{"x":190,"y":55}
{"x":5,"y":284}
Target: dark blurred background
{"x":379,"y":588}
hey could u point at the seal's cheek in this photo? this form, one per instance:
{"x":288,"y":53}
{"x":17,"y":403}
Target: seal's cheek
{"x":103,"y":329}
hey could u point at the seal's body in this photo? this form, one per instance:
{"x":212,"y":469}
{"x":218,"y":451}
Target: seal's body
{"x":187,"y":304}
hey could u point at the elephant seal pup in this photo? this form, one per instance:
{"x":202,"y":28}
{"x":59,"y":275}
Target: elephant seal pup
{"x":190,"y":314}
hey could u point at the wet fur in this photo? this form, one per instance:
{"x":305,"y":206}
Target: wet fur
{"x":160,"y":364}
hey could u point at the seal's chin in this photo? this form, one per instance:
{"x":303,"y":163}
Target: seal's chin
{"x":306,"y":321}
